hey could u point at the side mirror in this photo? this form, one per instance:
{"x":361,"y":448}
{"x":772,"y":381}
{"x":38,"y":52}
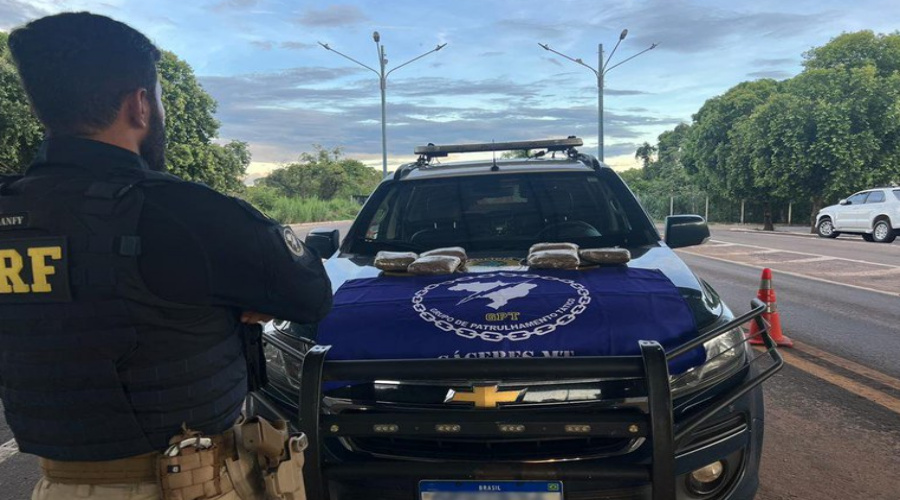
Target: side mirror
{"x":845,"y":202}
{"x":324,"y":242}
{"x":686,"y":231}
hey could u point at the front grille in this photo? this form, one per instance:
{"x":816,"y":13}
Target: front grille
{"x":494,"y":449}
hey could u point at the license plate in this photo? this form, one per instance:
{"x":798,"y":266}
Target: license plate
{"x":491,"y":490}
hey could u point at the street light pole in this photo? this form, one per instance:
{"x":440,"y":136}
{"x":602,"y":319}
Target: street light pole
{"x":382,"y":62}
{"x":382,"y":81}
{"x":600,"y":83}
{"x":600,"y":73}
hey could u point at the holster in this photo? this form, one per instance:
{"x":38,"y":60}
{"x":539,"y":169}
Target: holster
{"x":266,"y":439}
{"x":286,"y":481}
{"x":278,"y":455}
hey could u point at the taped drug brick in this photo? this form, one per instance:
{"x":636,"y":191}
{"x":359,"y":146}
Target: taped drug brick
{"x":540,"y":247}
{"x":554,"y":259}
{"x":458,"y":252}
{"x":394,"y":261}
{"x":605,"y":255}
{"x":435,"y":265}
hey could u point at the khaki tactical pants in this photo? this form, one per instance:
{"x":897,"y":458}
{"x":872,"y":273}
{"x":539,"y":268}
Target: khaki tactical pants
{"x":50,"y":490}
{"x":47,"y":490}
{"x":255,"y":460}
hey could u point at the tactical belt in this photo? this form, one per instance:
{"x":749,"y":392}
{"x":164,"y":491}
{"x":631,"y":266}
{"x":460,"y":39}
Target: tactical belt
{"x":137,"y":469}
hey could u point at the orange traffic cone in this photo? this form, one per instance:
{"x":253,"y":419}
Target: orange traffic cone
{"x":770,"y":316}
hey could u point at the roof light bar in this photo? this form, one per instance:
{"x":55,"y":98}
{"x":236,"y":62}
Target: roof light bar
{"x":432,"y":151}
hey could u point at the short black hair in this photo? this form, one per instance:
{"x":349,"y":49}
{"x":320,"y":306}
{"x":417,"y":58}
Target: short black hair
{"x":77,"y":67}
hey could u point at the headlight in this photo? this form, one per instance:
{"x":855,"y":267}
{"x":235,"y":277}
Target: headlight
{"x":278,"y":364}
{"x":725,"y":354}
{"x":282,"y":367}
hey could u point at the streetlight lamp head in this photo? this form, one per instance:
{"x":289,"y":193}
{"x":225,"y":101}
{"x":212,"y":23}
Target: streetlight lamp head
{"x":579,"y":61}
{"x":623,"y":35}
{"x":544,"y":46}
{"x":325,"y":45}
{"x":655,"y":44}
{"x":376,"y":37}
{"x":440,"y":46}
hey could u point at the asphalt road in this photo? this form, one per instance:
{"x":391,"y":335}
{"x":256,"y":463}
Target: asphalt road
{"x":846,"y":246}
{"x":857,"y":324}
{"x":833,"y":414}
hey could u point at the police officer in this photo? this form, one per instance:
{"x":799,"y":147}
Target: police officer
{"x":125,"y":293}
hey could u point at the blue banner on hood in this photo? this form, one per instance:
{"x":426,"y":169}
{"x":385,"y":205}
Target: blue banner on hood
{"x":601,"y":312}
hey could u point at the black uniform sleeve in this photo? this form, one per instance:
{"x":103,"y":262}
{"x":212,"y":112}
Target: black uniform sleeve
{"x":200,"y":247}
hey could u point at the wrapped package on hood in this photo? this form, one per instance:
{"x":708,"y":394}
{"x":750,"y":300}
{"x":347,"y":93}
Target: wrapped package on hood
{"x":394,"y":261}
{"x":435,"y":264}
{"x":458,"y":252}
{"x":553,"y":259}
{"x":539,"y":247}
{"x":605,"y":255}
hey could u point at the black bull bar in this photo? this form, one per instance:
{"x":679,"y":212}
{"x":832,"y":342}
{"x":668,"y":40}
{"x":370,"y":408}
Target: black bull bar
{"x":656,"y":424}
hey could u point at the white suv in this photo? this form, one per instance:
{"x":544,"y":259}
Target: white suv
{"x":873,"y":213}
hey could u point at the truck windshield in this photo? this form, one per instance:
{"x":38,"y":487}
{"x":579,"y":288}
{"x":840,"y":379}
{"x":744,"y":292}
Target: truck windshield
{"x":501,"y":212}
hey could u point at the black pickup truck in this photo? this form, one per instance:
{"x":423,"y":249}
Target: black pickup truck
{"x":628,"y":381}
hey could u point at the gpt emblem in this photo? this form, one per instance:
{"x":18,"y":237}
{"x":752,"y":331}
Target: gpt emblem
{"x":501,"y":306}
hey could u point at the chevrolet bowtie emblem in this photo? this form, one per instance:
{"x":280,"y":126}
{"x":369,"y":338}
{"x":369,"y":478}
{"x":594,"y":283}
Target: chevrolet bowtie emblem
{"x":484,"y":396}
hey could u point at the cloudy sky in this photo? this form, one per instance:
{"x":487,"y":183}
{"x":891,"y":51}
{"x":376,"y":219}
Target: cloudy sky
{"x":281,"y":92}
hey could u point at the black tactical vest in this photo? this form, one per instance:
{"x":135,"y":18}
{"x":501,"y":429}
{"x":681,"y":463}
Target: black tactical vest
{"x":93,"y":366}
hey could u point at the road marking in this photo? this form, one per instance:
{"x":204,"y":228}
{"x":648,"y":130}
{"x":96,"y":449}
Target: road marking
{"x":815,"y":255}
{"x":867,"y":274}
{"x":848,"y":365}
{"x":8,"y":449}
{"x":852,"y":386}
{"x":810,"y":260}
{"x":760,"y":232}
{"x":796,"y":275}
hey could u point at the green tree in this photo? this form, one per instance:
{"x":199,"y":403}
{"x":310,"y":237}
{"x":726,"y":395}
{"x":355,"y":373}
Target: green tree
{"x":20,"y":132}
{"x":714,"y":152}
{"x":709,"y":149}
{"x":516,"y":154}
{"x":667,"y":166}
{"x":829,"y":131}
{"x":857,"y":50}
{"x":635,"y":179}
{"x":645,"y":152}
{"x":833,"y":131}
{"x":663,"y":174}
{"x":671,"y":144}
{"x":324,"y":174}
{"x":190,"y":127}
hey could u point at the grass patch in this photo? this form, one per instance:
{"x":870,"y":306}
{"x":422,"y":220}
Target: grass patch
{"x":298,"y":210}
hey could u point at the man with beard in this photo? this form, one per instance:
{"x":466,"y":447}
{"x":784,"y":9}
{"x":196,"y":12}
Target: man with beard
{"x":129,"y":299}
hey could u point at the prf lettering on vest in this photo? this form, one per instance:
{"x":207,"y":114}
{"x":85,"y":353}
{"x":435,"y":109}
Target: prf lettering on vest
{"x":12,"y":262}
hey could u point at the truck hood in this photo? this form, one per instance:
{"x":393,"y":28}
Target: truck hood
{"x":500,"y":308}
{"x":703,"y":301}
